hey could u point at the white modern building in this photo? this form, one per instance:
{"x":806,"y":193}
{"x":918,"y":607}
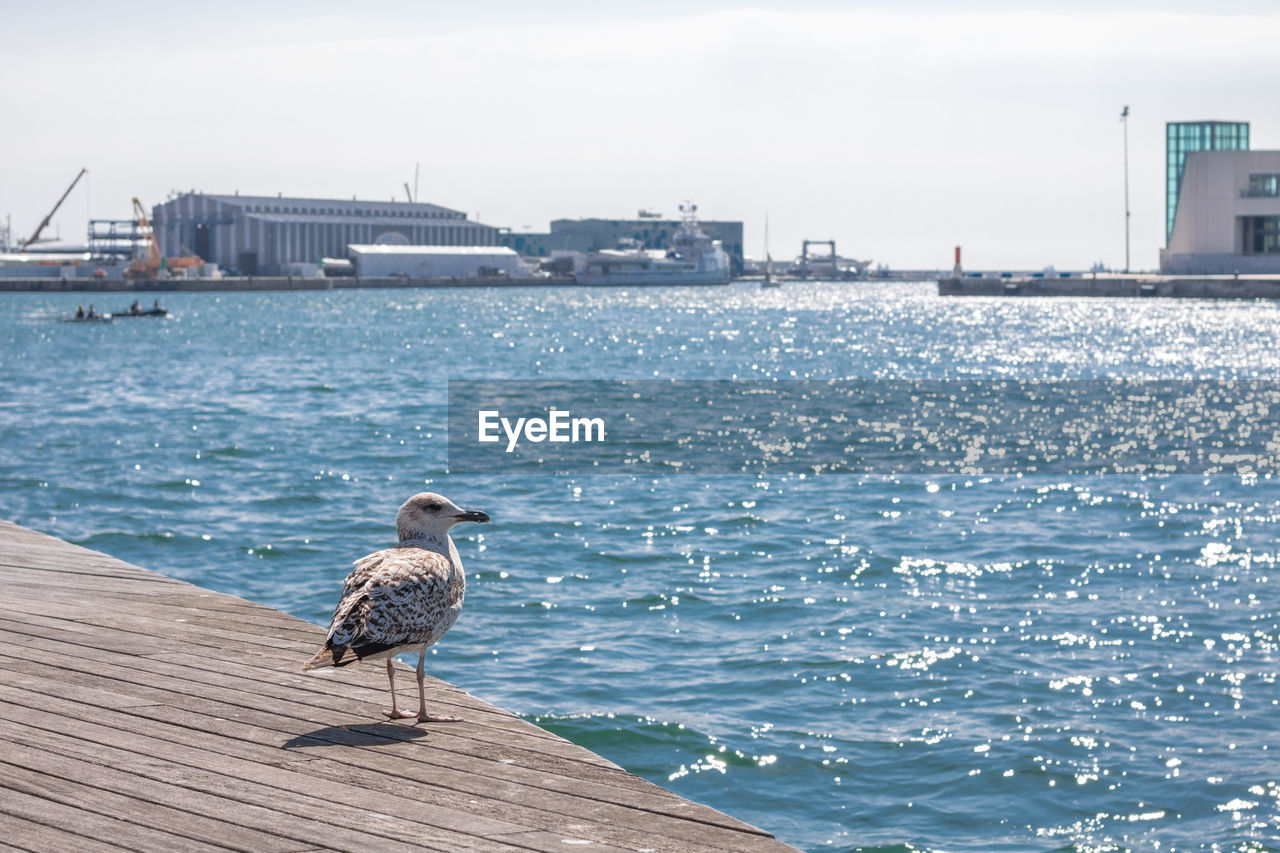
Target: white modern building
{"x":1228,"y":215}
{"x":389,"y":261}
{"x":1222,"y":201}
{"x":263,"y":235}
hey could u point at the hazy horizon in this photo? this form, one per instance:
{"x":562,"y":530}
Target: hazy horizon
{"x":899,"y":130}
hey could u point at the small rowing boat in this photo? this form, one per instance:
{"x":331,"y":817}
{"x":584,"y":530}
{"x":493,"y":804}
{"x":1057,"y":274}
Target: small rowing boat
{"x":153,"y":312}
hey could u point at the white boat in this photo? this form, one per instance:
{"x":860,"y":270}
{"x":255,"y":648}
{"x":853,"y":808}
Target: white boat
{"x":768,"y":280}
{"x":692,"y":258}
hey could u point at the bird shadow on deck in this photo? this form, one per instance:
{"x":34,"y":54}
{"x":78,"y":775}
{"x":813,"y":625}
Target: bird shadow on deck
{"x":364,"y":734}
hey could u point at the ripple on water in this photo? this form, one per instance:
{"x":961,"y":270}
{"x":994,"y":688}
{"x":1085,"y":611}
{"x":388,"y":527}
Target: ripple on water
{"x":896,"y":663}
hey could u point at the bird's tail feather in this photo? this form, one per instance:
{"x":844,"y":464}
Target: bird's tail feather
{"x":332,"y":655}
{"x":325,"y":658}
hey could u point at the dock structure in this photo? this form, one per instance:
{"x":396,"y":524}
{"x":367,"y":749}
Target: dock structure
{"x":254,"y":284}
{"x":143,"y":713}
{"x":1112,"y":284}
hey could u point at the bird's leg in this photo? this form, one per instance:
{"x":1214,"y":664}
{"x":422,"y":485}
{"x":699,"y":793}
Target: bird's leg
{"x":423,"y":716}
{"x":395,"y":713}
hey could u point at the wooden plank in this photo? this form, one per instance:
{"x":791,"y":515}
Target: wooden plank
{"x":55,"y":575}
{"x":52,"y":556}
{"x":389,"y":817}
{"x":177,"y":777}
{"x":240,"y":715}
{"x":509,"y":783}
{"x":236,"y":715}
{"x":21,"y":834}
{"x":166,"y":607}
{"x":34,"y":808}
{"x":80,"y":784}
{"x":252,"y":682}
{"x":458,"y":742}
{"x":365,"y":686}
{"x":156,"y":715}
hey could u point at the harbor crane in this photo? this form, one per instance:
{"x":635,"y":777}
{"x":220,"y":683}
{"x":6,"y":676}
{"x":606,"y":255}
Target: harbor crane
{"x":35,"y":236}
{"x":150,"y":265}
{"x":805,"y":258}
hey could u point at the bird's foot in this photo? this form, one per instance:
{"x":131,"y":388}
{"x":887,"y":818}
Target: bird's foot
{"x":437,"y":718}
{"x":397,"y":714}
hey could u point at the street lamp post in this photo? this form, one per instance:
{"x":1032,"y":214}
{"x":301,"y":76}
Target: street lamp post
{"x":1124,"y":120}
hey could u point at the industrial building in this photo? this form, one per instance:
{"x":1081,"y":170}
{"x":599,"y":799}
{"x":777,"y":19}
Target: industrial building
{"x":262,"y":235}
{"x":649,"y":231}
{"x":389,"y":261}
{"x":1222,"y":201}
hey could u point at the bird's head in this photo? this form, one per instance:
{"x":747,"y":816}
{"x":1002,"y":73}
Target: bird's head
{"x":429,"y":514}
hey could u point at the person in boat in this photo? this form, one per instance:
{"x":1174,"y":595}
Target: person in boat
{"x":135,"y":308}
{"x":79,"y":312}
{"x":155,"y":306}
{"x":92,"y":315}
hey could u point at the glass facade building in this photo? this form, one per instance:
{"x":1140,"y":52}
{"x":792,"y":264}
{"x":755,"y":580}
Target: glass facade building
{"x":1183,"y":137}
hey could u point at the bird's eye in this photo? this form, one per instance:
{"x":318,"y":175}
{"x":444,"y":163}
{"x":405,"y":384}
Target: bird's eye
{"x":434,"y":506}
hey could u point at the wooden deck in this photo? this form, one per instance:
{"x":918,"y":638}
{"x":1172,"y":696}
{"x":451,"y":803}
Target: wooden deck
{"x":142,"y":713}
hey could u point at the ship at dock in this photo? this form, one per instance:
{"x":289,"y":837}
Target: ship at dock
{"x":691,"y":258}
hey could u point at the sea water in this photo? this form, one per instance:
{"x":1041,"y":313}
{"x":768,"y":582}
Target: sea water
{"x":897,"y":661}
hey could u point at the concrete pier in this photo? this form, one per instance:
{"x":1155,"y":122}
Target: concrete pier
{"x":1168,"y":286}
{"x":142,"y":713}
{"x":251,"y":283}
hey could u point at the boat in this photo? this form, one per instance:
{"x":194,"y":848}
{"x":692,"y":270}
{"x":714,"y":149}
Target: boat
{"x":768,"y":280}
{"x":150,"y":312}
{"x":692,"y":258}
{"x":136,"y":310}
{"x":89,"y":318}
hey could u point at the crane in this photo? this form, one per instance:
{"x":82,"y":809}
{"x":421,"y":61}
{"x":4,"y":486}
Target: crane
{"x":150,"y":266}
{"x":151,"y":263}
{"x":35,"y":237}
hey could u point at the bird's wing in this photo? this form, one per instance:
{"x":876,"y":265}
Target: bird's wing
{"x":392,"y":598}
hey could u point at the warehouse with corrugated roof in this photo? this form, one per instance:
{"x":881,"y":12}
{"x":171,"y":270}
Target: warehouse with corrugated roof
{"x":262,"y":235}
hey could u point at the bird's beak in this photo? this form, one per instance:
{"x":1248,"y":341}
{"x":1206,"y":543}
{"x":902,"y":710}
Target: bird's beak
{"x":472,"y":515}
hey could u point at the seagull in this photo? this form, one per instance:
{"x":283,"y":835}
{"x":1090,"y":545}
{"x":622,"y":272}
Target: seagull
{"x":402,"y":599}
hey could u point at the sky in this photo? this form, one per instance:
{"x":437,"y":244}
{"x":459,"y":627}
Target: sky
{"x":898,"y":129}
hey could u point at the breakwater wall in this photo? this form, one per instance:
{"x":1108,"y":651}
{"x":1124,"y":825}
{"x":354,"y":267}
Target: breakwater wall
{"x":252,"y":283}
{"x":1168,"y":286}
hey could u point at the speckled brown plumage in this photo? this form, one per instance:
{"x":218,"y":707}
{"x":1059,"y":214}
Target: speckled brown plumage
{"x":401,"y":599}
{"x":395,"y":600}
